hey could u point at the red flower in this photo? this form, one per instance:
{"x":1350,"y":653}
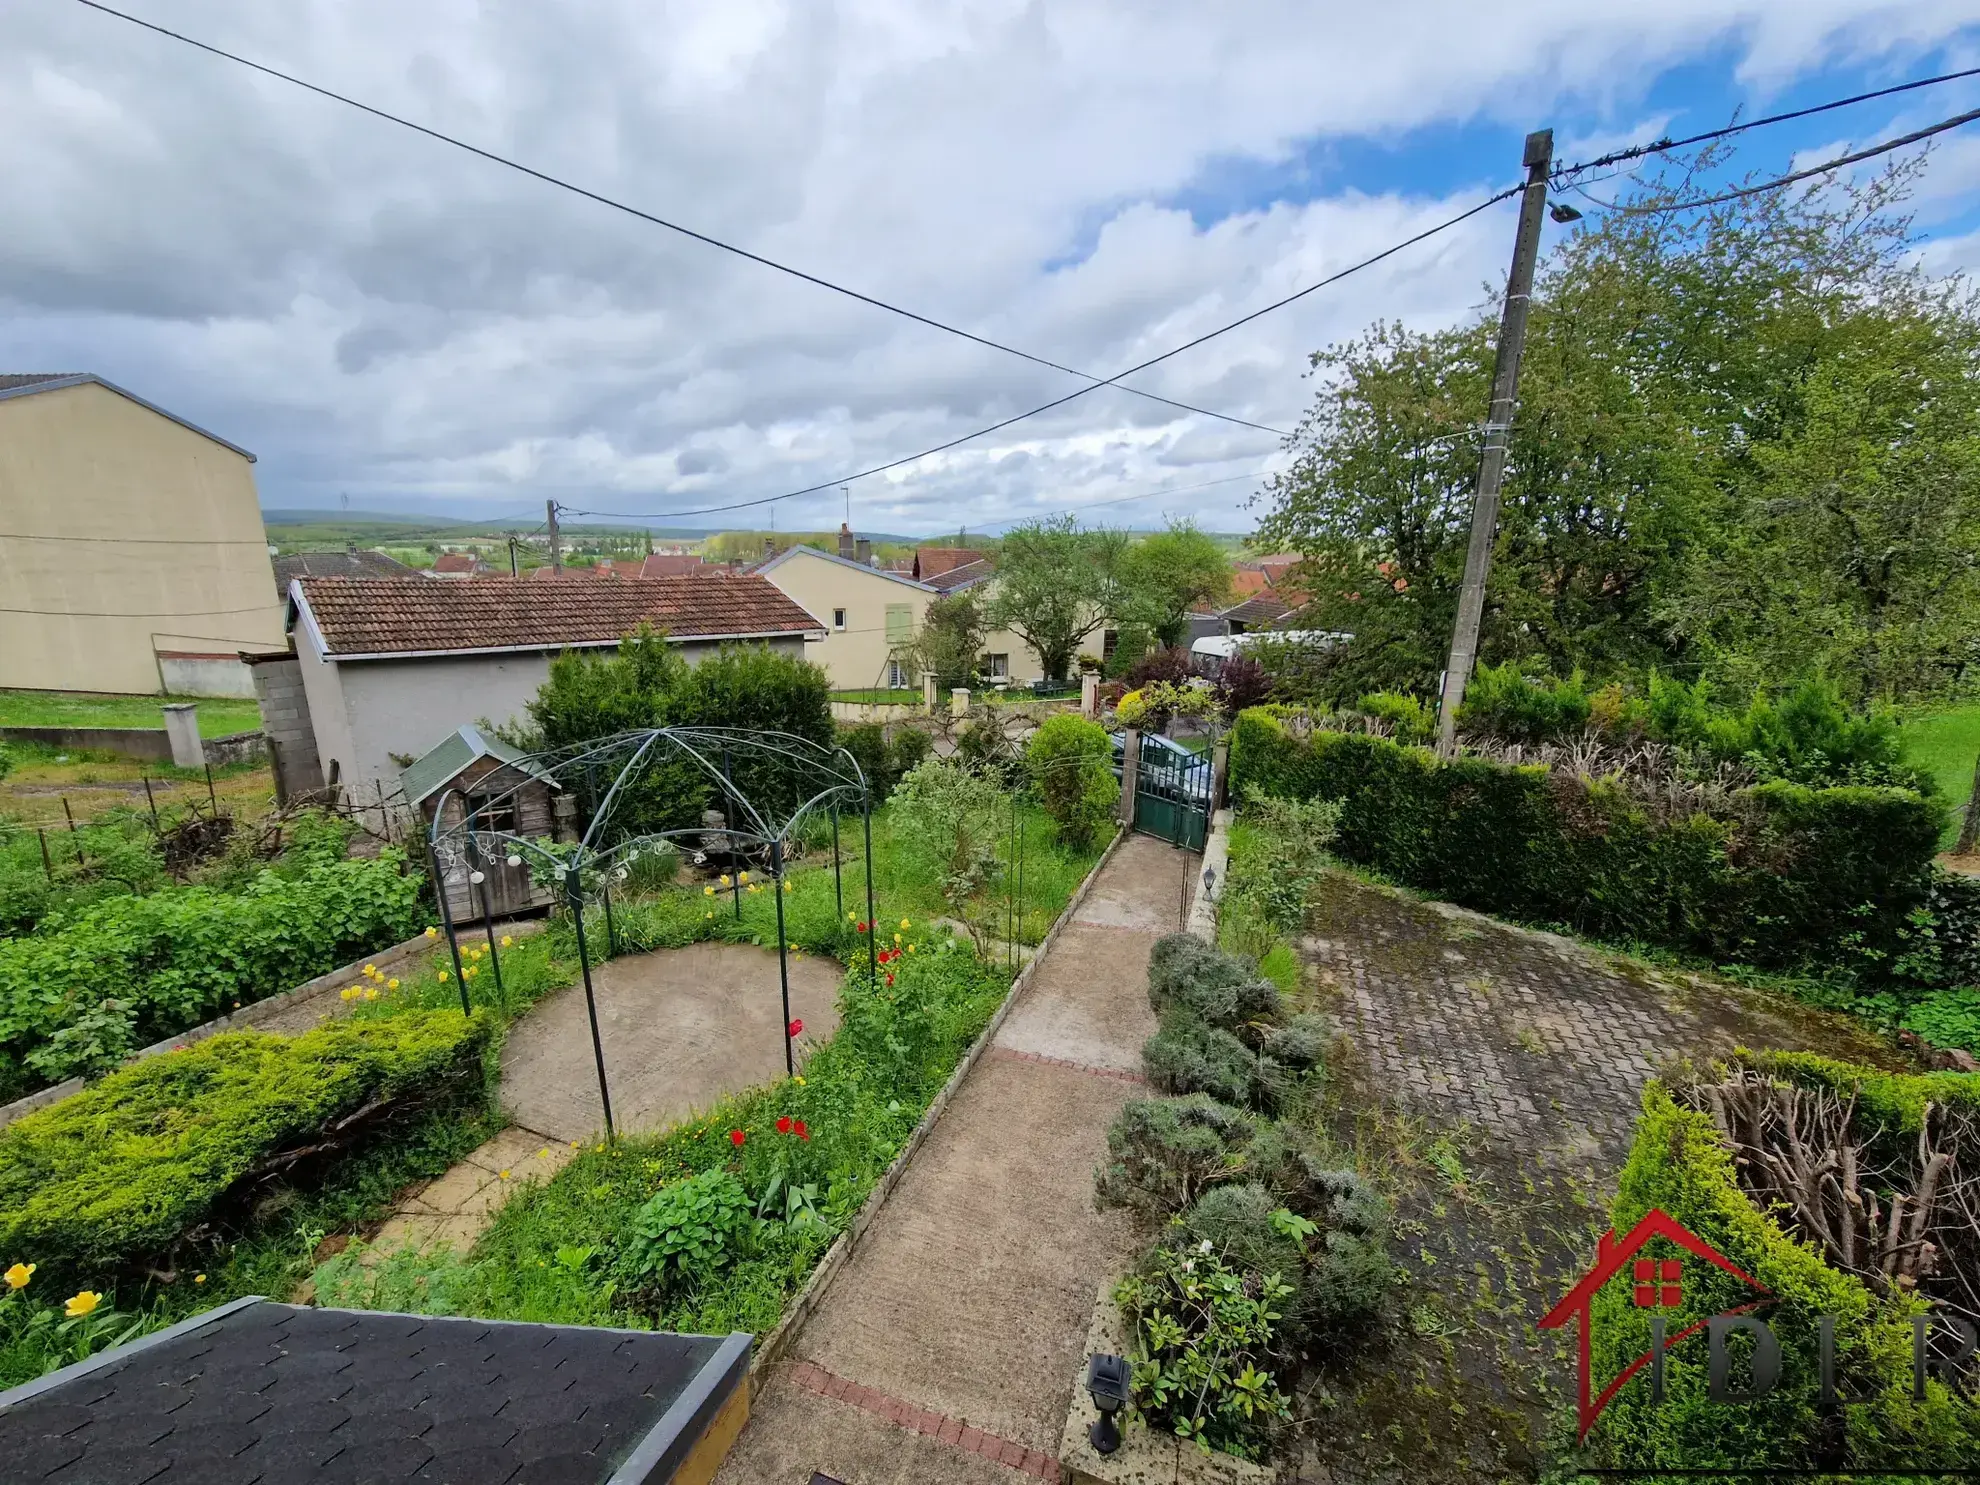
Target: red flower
{"x":890,"y":979}
{"x":801,"y":1132}
{"x":784,"y":1124}
{"x":736,"y":1137}
{"x":795,"y":1027}
{"x":862,"y":928}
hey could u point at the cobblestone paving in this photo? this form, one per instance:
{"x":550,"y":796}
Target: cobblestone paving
{"x":1491,"y":1077}
{"x":1531,"y":1038}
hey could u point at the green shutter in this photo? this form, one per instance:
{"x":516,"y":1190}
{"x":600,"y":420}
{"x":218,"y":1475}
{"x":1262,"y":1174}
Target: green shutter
{"x":900,"y":623}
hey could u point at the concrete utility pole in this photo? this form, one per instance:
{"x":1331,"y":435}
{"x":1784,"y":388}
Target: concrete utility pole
{"x":556,"y":551}
{"x":1498,"y":425}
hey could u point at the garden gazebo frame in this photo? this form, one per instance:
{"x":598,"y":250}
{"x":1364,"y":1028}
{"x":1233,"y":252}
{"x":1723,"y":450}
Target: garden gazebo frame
{"x":821,"y":779}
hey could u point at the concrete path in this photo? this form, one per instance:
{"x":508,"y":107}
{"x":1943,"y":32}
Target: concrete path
{"x":945,"y":1349}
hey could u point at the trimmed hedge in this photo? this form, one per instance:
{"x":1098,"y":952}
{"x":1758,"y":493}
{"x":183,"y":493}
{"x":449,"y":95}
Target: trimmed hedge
{"x":82,"y":993}
{"x":1789,"y":876}
{"x":122,"y":1170}
{"x":1680,"y":1164}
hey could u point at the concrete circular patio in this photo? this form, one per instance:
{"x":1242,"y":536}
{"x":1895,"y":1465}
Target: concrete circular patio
{"x":681,"y":1028}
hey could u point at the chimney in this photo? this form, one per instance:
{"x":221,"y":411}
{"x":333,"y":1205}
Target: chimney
{"x":847,"y":547}
{"x":865,"y":553}
{"x":769,"y":547}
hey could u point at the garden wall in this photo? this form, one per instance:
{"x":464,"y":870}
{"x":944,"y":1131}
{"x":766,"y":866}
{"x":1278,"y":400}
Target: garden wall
{"x":1782,"y":875}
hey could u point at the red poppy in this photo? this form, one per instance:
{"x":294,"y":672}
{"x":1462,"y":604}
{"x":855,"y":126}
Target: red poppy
{"x":735,"y":1136}
{"x":890,"y":979}
{"x":862,"y":928}
{"x":801,"y":1132}
{"x":784,"y":1125}
{"x":795,"y":1027}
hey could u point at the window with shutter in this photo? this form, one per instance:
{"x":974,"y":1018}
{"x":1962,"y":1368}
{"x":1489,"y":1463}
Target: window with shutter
{"x":900,"y":623}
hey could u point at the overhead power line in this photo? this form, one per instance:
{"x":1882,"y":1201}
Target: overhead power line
{"x":660,"y":221}
{"x":1787,"y":180}
{"x":1044,"y":407}
{"x":1665,"y":145}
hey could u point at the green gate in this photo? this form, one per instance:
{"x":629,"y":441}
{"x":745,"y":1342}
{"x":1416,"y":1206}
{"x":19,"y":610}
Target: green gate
{"x":1172,"y":793}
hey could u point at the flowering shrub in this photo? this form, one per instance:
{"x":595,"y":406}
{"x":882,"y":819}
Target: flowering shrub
{"x":78,"y":996}
{"x":1201,"y":1330}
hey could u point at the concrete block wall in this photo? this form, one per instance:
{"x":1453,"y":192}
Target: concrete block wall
{"x":285,"y":722}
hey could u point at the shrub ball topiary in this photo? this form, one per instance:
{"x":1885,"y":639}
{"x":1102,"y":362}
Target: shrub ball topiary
{"x":1220,"y":988}
{"x":1301,"y":1042}
{"x":1189,"y":1055}
{"x":1164,"y":1152}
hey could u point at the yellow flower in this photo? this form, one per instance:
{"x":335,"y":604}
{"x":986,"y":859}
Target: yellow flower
{"x":852,"y":917}
{"x":707,"y":915}
{"x":82,"y":1303}
{"x":371,"y":995}
{"x":544,"y":1153}
{"x":508,"y":939}
{"x":199,"y":1278}
{"x":724,"y":879}
{"x":391,"y":984}
{"x":574,"y":1144}
{"x":787,"y":884}
{"x":707,"y":891}
{"x":897,"y":938}
{"x":443,"y":975}
{"x":910,"y":948}
{"x":503,"y":1174}
{"x":742,"y":876}
{"x":906,"y":924}
{"x":370,"y":970}
{"x":18,"y":1276}
{"x":433,"y":933}
{"x":798,"y":1078}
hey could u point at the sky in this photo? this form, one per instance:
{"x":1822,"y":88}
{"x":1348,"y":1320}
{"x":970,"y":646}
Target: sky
{"x":393,"y":325}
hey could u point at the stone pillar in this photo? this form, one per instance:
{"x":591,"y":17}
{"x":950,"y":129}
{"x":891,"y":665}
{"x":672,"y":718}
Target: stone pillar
{"x":1089,"y":693}
{"x":286,"y":723}
{"x":182,"y":727}
{"x":1220,"y":766}
{"x":928,"y":697}
{"x":1130,"y":773}
{"x":959,"y":702}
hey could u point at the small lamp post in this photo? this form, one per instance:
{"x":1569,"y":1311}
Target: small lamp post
{"x":1107,"y":1384}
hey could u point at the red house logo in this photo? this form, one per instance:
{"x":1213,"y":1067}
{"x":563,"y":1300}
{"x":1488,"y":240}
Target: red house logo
{"x":1656,"y":1284}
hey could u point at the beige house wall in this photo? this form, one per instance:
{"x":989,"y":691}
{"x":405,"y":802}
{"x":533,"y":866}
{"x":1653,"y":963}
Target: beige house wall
{"x":122,"y":534}
{"x":856,"y":656}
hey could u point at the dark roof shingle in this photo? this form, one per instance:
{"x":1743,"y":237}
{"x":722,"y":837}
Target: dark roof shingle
{"x":382,"y":616}
{"x":338,"y":564}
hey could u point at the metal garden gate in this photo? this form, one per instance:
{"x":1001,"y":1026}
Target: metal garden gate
{"x":1172,"y":792}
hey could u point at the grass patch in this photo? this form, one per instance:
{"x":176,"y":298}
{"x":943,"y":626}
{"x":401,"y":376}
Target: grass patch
{"x":218,"y":715}
{"x":1944,"y":745}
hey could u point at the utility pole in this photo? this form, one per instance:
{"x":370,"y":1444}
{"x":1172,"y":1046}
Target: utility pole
{"x":1498,"y":425}
{"x":513,"y":572}
{"x":556,"y":551}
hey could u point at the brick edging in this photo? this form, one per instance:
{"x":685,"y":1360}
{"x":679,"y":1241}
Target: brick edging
{"x":917,"y":1419}
{"x":770,"y":1350}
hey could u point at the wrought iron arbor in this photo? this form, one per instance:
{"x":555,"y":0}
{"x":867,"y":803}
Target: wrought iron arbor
{"x":769,"y":785}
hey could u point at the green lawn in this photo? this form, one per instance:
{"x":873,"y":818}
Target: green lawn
{"x":1945,"y":745}
{"x":218,"y":716}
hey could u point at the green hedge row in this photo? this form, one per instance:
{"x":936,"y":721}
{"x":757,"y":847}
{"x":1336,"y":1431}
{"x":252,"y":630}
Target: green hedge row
{"x":81,"y":994}
{"x":1788,"y":876}
{"x":1679,"y":1164}
{"x":119,"y":1172}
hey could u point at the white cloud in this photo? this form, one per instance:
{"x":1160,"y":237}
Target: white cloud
{"x":378,"y":314}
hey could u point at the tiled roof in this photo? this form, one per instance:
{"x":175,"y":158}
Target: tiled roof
{"x":337,"y":564}
{"x":1260,"y":610}
{"x":378,"y":616}
{"x":1249,"y":582}
{"x":931,"y":562}
{"x":670,"y":564}
{"x":457,"y":562}
{"x":949,"y":580}
{"x":12,"y":379}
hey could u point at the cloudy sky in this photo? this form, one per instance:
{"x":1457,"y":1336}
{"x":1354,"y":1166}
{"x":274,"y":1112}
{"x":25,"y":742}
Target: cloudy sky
{"x":383,"y":318}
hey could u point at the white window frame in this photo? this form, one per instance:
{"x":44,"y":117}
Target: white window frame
{"x":997,"y":667}
{"x":897,"y":676}
{"x":839,"y":620}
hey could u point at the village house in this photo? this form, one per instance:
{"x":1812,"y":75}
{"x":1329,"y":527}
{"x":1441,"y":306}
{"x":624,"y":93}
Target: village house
{"x":457,"y":565}
{"x":387,"y":668}
{"x":132,"y":553}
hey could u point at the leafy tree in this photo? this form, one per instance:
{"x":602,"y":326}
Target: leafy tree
{"x":1743,"y":448}
{"x":950,"y":639}
{"x":1166,"y":575}
{"x":947,"y":821}
{"x":1056,"y":585}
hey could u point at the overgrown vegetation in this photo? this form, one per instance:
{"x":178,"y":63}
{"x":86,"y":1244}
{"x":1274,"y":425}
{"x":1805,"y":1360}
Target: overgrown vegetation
{"x":1265,"y":1256}
{"x":91,"y":986}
